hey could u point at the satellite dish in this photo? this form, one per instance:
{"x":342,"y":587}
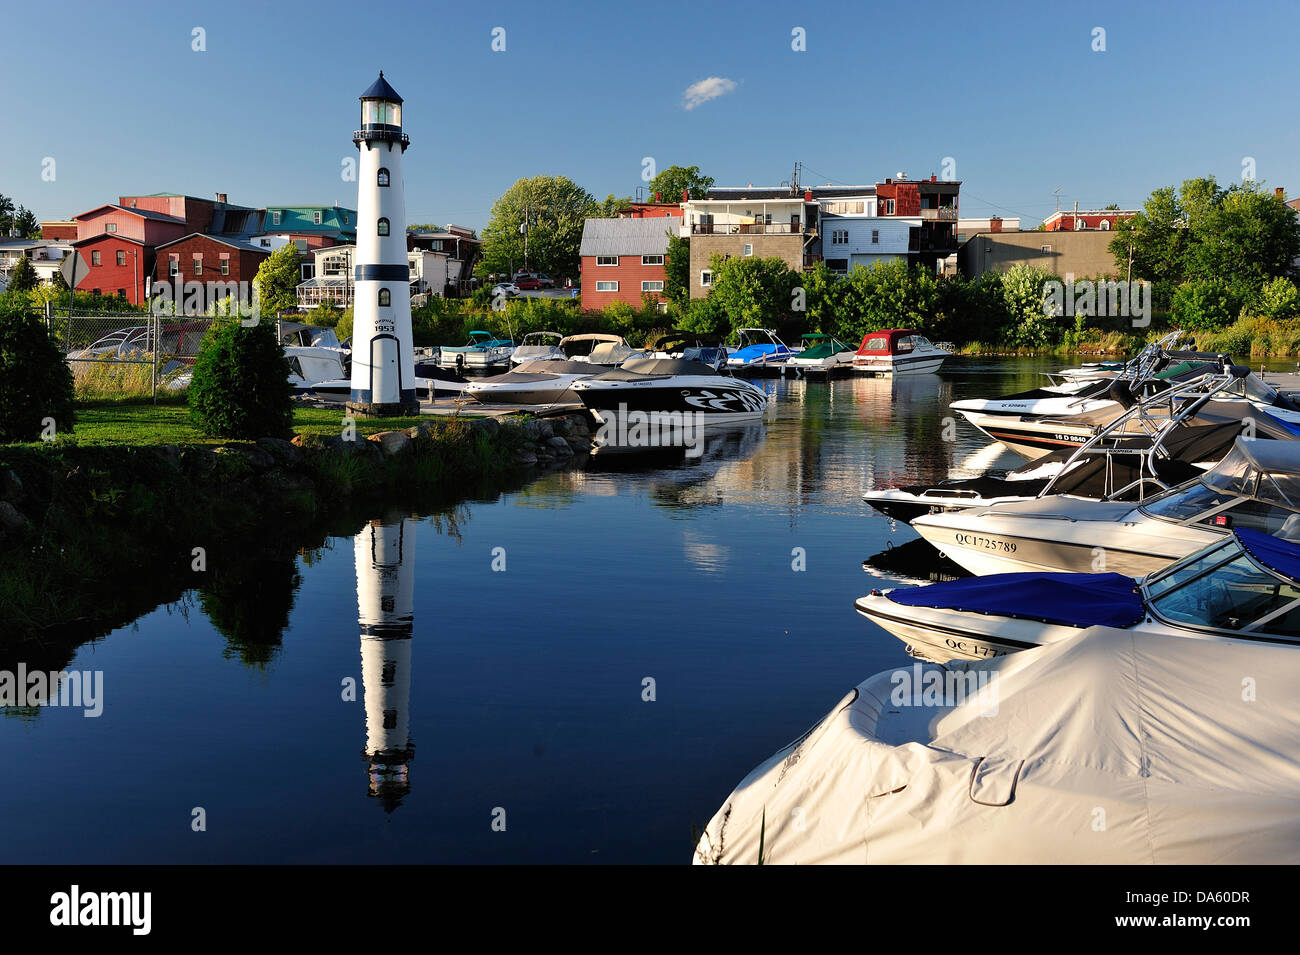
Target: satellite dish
{"x":75,"y":270}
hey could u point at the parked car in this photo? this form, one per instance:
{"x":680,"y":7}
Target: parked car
{"x":508,"y":289}
{"x":545,"y":280}
{"x":527,"y":283}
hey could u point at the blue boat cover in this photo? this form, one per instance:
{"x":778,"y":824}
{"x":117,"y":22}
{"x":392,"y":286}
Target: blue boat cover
{"x":1273,"y":552}
{"x":1071,"y":600}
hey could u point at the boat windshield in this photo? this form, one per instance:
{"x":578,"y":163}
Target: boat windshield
{"x":1224,"y":589}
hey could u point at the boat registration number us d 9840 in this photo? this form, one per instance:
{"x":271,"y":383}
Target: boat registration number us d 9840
{"x":987,"y":543}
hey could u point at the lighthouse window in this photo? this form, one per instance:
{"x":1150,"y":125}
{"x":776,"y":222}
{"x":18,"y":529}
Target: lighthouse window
{"x":383,"y":227}
{"x":385,"y":297}
{"x":383,"y":177}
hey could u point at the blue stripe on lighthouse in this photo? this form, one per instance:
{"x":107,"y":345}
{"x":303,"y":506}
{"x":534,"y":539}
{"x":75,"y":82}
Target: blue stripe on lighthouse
{"x":382,"y":273}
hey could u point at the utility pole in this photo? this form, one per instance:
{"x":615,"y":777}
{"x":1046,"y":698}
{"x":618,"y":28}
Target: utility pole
{"x":1074,"y":222}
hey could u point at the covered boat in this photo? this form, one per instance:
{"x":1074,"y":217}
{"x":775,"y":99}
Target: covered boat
{"x":1242,"y":587}
{"x":532,"y":383}
{"x":758,"y":349}
{"x":821,"y":355}
{"x":597,"y":348}
{"x":1109,"y":747}
{"x":672,"y":386}
{"x":538,"y":346}
{"x":897,"y":351}
{"x":481,"y":351}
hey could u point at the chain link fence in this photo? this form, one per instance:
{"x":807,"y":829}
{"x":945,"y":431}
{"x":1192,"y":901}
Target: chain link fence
{"x":127,"y":354}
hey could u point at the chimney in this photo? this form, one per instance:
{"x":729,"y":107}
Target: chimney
{"x":221,"y":197}
{"x":656,"y":197}
{"x":889,"y":182}
{"x":807,"y":195}
{"x":1279,"y":194}
{"x":933,"y":177}
{"x":995,"y":223}
{"x":686,"y":194}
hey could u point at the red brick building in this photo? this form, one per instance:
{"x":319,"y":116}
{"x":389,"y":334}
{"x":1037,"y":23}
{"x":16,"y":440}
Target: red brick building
{"x":623,"y":259}
{"x":59,"y":229}
{"x":1103,"y":219}
{"x":207,"y":258}
{"x":650,"y":210}
{"x":119,"y":265}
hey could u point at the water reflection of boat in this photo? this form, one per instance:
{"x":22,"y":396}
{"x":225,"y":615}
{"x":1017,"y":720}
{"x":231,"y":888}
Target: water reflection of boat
{"x":385,"y":567}
{"x":912,"y":563}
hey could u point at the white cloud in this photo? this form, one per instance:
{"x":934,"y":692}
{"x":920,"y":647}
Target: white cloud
{"x":707,"y":89}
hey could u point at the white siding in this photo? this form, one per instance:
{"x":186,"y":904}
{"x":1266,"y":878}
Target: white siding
{"x":892,"y":235}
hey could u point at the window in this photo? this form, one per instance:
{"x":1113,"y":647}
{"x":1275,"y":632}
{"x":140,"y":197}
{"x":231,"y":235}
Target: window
{"x":706,"y":278}
{"x":839,"y":236}
{"x":749,"y":249}
{"x":94,"y":291}
{"x":94,"y":258}
{"x":652,"y":286}
{"x":837,"y":265}
{"x":121,"y":293}
{"x":121,"y":258}
{"x":889,"y":207}
{"x":607,"y":260}
{"x":652,"y":260}
{"x":225,"y":265}
{"x":606,"y":286}
{"x":173,"y":264}
{"x":383,"y":177}
{"x":110,"y":226}
{"x":275,"y":217}
{"x":875,"y":236}
{"x":198,"y":265}
{"x":383,"y":226}
{"x":1105,"y":225}
{"x":385,"y":297}
{"x":316,"y":217}
{"x":308,"y":271}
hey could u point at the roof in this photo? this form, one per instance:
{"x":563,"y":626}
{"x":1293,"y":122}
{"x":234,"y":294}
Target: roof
{"x":334,"y":219}
{"x":380,"y":89}
{"x":222,"y":240}
{"x":108,"y":235}
{"x":142,"y":213}
{"x":784,"y":192}
{"x":627,"y":236}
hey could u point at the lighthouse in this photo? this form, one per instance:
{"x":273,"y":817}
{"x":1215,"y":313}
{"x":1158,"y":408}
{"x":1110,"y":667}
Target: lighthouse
{"x":385,"y":565}
{"x":383,"y":359}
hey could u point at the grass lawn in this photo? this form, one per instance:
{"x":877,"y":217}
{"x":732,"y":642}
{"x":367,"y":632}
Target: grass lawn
{"x":147,"y":423}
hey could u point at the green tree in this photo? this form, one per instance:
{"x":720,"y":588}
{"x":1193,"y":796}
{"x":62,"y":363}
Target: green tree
{"x":554,"y":208}
{"x":25,"y":222}
{"x":1245,"y":236}
{"x":277,"y":281}
{"x":241,"y":387}
{"x":609,"y":208}
{"x":1023,"y":291}
{"x":23,"y":278}
{"x":1278,"y":298}
{"x":35,"y":383}
{"x":677,"y":268}
{"x":751,"y":290}
{"x":1208,"y":304}
{"x":6,"y":214}
{"x":670,"y":182}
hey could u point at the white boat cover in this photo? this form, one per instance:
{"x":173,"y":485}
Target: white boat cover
{"x":1109,"y":747}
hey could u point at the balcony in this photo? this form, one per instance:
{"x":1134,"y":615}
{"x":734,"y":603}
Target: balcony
{"x":938,"y":215}
{"x":746,"y":228}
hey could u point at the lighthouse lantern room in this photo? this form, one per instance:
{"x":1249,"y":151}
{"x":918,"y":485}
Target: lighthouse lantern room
{"x":383,"y":358}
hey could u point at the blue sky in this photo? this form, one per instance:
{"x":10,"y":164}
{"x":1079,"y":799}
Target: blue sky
{"x":1012,"y":91}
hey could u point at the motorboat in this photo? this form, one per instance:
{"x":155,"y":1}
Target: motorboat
{"x":532,"y":383}
{"x":431,"y":383}
{"x":758,"y":349}
{"x":689,"y":390}
{"x":1256,"y":485}
{"x":821,"y":355}
{"x":1123,"y":468}
{"x":691,"y":346}
{"x":897,"y":351}
{"x":1011,"y":761}
{"x":598,"y":349}
{"x":483,"y":350}
{"x":1245,"y":586}
{"x":1109,"y":368}
{"x":538,"y":346}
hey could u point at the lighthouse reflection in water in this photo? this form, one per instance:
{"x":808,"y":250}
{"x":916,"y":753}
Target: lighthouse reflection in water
{"x":385,"y":560}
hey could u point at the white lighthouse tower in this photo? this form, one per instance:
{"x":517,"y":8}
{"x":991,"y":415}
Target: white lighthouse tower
{"x":385,"y":564}
{"x":383,"y":359}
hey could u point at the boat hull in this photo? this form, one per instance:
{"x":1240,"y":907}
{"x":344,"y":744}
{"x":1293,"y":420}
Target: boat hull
{"x":942,"y":635}
{"x":708,"y":400}
{"x":897,"y":366}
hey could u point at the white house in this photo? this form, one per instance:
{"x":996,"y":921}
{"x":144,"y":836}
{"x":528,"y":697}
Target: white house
{"x":45,"y":255}
{"x":334,"y":268}
{"x":849,"y":241}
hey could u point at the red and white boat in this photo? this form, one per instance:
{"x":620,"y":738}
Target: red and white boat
{"x":897,"y":351}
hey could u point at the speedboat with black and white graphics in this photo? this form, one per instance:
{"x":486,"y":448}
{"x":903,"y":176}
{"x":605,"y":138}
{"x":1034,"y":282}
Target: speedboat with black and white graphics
{"x":670,"y":386}
{"x":1256,"y":486}
{"x":532,"y":383}
{"x":1243,"y":587}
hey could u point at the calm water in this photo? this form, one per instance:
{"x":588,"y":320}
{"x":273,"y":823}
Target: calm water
{"x":517,"y":689}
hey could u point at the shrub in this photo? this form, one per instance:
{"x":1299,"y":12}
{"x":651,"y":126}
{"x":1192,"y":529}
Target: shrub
{"x":240,"y":387}
{"x":1208,"y":304}
{"x":1278,"y":298}
{"x":35,"y":383}
{"x":343,"y":330}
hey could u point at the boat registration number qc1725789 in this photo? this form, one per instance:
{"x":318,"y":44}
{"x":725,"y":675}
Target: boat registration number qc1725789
{"x":988,"y":543}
